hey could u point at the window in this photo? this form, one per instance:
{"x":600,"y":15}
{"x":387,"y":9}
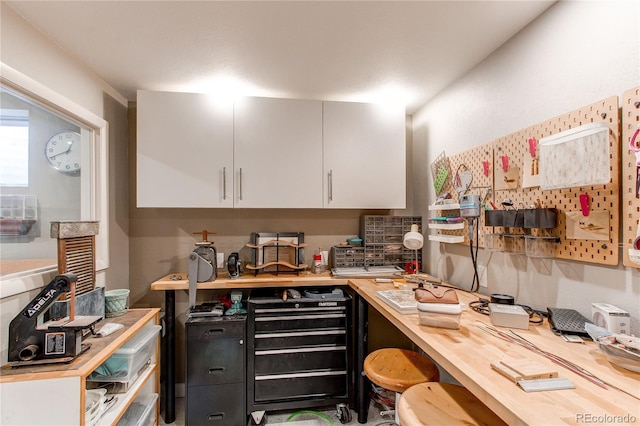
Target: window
{"x":14,"y":145}
{"x":37,"y":190}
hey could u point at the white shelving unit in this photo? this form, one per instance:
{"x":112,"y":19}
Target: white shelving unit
{"x":445,"y":238}
{"x":58,"y":390}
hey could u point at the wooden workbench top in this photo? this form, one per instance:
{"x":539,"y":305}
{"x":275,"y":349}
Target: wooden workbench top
{"x":179,"y":281}
{"x":467,"y":353}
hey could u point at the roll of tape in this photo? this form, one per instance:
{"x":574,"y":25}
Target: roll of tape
{"x":503,"y":299}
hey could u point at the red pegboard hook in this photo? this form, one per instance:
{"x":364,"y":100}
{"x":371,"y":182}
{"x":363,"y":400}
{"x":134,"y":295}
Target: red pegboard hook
{"x":533,"y":145}
{"x":585,"y":201}
{"x":485,"y":168}
{"x":505,"y":163}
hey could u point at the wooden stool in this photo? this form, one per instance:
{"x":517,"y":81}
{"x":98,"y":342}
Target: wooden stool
{"x":431,"y":404}
{"x":399,"y":369}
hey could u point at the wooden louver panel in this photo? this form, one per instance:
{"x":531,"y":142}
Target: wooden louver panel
{"x":77,"y":255}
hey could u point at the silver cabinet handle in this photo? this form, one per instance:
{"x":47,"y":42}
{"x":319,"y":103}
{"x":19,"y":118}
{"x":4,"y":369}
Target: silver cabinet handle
{"x":240,"y":184}
{"x":330,"y":185}
{"x":224,"y":183}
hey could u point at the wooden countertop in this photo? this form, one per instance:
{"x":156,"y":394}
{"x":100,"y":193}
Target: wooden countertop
{"x":467,"y":353}
{"x":101,"y":348}
{"x":249,"y":281}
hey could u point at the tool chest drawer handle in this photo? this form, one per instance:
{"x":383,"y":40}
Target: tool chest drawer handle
{"x":215,"y":416}
{"x":214,"y":331}
{"x":216,"y":370}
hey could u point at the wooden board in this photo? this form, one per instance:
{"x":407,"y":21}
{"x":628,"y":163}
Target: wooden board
{"x":630,"y":204}
{"x":472,"y":160}
{"x":603,"y":197}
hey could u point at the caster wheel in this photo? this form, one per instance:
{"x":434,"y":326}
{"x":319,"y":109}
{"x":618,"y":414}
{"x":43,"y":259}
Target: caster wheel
{"x":344,"y":414}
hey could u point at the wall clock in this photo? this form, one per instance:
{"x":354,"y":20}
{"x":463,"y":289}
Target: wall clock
{"x":63,"y":152}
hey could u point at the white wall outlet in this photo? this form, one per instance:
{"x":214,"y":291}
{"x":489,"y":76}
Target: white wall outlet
{"x":220,"y":260}
{"x":482,"y":275}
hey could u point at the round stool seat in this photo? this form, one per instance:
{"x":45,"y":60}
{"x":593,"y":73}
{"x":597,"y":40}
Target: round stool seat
{"x":398,"y":369}
{"x":435,"y":404}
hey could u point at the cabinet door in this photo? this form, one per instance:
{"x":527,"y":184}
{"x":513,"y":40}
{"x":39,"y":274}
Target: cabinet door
{"x":278,"y":153}
{"x":184,"y":150}
{"x":364,"y":155}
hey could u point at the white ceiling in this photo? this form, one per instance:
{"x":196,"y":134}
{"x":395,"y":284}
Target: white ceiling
{"x":333,"y":50}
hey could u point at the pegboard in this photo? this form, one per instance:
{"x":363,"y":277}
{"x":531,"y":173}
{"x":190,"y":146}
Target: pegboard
{"x":475,"y":161}
{"x":630,"y":204}
{"x":602,"y":197}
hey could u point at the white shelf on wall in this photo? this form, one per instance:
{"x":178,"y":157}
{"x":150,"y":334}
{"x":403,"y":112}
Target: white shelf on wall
{"x":449,"y":226}
{"x":447,"y":238}
{"x":451,"y":206}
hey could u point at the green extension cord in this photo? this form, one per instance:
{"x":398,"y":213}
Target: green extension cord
{"x":315,"y":413}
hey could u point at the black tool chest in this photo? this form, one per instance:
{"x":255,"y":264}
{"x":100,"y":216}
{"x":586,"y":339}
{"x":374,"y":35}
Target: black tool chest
{"x":215,"y":371}
{"x":298,"y":349}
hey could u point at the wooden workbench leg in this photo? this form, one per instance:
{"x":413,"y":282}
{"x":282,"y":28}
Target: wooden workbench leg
{"x":362,"y":383}
{"x":170,"y":356}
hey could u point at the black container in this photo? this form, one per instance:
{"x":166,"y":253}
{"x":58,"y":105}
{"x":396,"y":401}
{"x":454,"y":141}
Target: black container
{"x":494,"y":217}
{"x":514,"y":218}
{"x":541,"y":218}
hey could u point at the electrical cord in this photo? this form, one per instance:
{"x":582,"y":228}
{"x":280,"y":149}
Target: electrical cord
{"x":475,"y":282}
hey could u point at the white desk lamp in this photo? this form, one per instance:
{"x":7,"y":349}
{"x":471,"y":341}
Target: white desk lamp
{"x":413,"y":240}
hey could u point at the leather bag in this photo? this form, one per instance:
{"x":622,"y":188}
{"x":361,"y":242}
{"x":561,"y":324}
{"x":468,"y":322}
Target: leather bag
{"x":436,"y":295}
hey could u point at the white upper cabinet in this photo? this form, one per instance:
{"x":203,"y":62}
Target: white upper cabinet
{"x":277,"y":153}
{"x":184,"y":150}
{"x":364,"y":156}
{"x":268,"y":153}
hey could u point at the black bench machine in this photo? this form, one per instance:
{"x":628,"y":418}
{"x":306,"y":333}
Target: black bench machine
{"x":34,"y":340}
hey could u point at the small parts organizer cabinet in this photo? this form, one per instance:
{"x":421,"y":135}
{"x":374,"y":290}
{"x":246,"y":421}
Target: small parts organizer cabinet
{"x":299,"y":350}
{"x":215,"y":371}
{"x":55,"y":394}
{"x":383,"y":236}
{"x":447,"y":223}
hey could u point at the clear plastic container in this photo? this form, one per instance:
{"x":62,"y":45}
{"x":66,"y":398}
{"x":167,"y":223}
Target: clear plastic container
{"x":125,"y":363}
{"x":514,"y":243}
{"x":141,"y":411}
{"x":493,"y":242}
{"x":541,"y":247}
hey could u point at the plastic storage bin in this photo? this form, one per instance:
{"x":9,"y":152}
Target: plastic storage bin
{"x":514,"y":218}
{"x":514,"y":243}
{"x":541,"y":218}
{"x":541,"y":247}
{"x":494,"y":217}
{"x":493,"y":242}
{"x":125,"y":363}
{"x":141,"y":412}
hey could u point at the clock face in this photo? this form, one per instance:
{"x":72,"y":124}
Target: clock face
{"x":63,"y":152}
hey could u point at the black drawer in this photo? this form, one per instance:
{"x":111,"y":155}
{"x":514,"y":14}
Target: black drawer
{"x":216,"y":405}
{"x":300,"y":322}
{"x":306,"y":338}
{"x":304,"y":386}
{"x":208,"y":330}
{"x":300,"y":359}
{"x":215,"y":361}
